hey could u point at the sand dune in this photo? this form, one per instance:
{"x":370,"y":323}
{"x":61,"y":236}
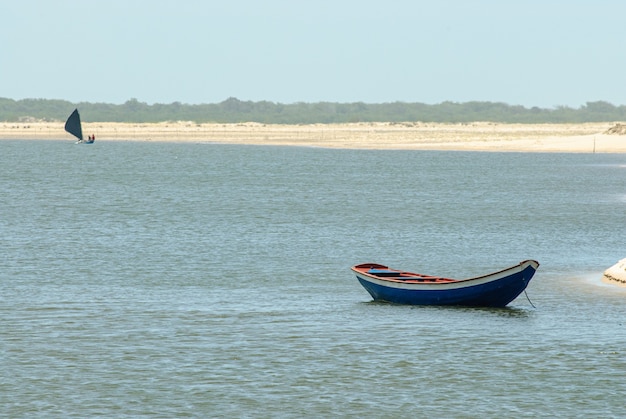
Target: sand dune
{"x":481,"y":136}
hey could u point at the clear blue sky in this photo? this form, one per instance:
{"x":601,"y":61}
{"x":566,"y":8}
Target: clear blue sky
{"x":544,"y":53}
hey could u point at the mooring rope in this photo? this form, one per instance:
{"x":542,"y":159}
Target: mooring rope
{"x":531,"y":303}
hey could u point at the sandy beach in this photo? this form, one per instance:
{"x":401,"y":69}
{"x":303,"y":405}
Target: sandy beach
{"x":480,"y":136}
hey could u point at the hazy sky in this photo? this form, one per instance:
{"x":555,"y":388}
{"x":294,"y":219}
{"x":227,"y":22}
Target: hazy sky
{"x":544,"y":53}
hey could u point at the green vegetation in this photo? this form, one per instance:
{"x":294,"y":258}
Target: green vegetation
{"x":233,"y":110}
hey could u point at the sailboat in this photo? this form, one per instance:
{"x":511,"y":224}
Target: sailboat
{"x":73,"y":126}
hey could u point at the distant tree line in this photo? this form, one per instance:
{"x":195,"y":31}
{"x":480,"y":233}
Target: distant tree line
{"x":233,"y":110}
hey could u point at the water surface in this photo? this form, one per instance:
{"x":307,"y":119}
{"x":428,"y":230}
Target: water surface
{"x":205,"y":280}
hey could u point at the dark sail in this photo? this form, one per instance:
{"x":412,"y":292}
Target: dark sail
{"x":72,"y":125}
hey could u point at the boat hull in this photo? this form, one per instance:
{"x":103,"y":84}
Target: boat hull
{"x":493,"y":290}
{"x":616,"y":273}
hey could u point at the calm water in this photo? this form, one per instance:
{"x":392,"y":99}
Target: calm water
{"x":204,"y":280}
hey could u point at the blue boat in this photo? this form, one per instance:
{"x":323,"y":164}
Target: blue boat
{"x":493,"y":290}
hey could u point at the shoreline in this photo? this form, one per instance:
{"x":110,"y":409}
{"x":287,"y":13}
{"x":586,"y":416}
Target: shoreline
{"x":477,"y":136}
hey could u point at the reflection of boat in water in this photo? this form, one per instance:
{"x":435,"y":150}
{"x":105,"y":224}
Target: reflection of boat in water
{"x":74,"y":127}
{"x":617,"y":273}
{"x":492,"y":290}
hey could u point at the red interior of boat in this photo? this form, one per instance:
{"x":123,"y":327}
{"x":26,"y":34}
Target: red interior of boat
{"x":381,"y":271}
